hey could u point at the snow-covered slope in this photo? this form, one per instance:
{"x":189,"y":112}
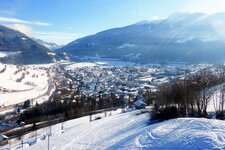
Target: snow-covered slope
{"x":19,"y":83}
{"x":132,"y":131}
{"x":184,"y":133}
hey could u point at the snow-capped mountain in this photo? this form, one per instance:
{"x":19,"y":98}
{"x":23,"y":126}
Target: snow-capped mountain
{"x":180,"y":37}
{"x":51,"y":46}
{"x":17,"y":48}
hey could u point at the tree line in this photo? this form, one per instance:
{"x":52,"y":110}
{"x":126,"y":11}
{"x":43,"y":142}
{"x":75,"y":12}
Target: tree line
{"x":189,"y":96}
{"x":73,"y":106}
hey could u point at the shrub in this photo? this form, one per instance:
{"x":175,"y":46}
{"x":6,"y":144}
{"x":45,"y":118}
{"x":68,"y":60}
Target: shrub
{"x":166,"y":113}
{"x":26,"y":104}
{"x":220,"y":115}
{"x":3,"y":70}
{"x":97,"y":118}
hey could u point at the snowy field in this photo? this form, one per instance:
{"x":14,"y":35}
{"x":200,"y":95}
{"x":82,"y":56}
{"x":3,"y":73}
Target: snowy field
{"x":131,"y":130}
{"x":109,"y":61}
{"x":79,"y":65}
{"x":19,"y":83}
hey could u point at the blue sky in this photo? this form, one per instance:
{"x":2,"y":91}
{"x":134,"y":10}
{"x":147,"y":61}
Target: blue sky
{"x":62,"y":21}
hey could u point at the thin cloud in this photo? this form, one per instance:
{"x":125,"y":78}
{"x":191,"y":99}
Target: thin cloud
{"x":57,"y":37}
{"x":60,"y":38}
{"x":206,"y":6}
{"x":6,"y":12}
{"x":20,"y":21}
{"x":41,"y":23}
{"x":22,"y":28}
{"x":25,"y":27}
{"x":13,"y":20}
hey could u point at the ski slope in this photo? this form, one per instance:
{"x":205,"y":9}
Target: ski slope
{"x":132,"y":130}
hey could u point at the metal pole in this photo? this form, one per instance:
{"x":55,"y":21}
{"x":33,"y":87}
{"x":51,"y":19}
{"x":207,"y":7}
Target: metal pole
{"x":22,"y":144}
{"x":48,"y":141}
{"x":62,"y":126}
{"x":9,"y":144}
{"x":49,"y":134}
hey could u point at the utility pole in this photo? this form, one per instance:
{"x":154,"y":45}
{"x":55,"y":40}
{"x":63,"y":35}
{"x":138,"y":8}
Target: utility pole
{"x":49,"y":134}
{"x":48,"y":140}
{"x":22,"y":144}
{"x":62,"y":126}
{"x":9,"y":144}
{"x":185,"y":96}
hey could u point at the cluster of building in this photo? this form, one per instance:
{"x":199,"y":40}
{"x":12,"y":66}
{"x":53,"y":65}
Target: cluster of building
{"x":130,"y":81}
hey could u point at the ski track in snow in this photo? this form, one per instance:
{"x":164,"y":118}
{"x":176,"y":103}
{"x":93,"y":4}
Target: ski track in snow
{"x":131,"y":130}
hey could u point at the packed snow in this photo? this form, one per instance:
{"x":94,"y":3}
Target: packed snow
{"x":5,"y":54}
{"x":23,"y":38}
{"x":130,"y":130}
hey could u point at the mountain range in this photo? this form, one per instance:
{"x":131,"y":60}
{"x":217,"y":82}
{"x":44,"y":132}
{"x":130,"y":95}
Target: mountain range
{"x":187,"y":37}
{"x":181,"y":37}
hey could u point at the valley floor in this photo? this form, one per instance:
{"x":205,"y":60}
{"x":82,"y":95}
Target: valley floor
{"x":131,"y":130}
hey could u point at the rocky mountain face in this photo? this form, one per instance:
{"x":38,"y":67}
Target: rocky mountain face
{"x":17,"y":48}
{"x":189,"y":37}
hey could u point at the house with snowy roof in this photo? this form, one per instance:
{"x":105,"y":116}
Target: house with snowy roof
{"x":3,"y":139}
{"x":139,"y":104}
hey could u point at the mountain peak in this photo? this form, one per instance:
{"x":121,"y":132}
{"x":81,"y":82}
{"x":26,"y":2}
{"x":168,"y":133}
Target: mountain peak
{"x":143,"y":22}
